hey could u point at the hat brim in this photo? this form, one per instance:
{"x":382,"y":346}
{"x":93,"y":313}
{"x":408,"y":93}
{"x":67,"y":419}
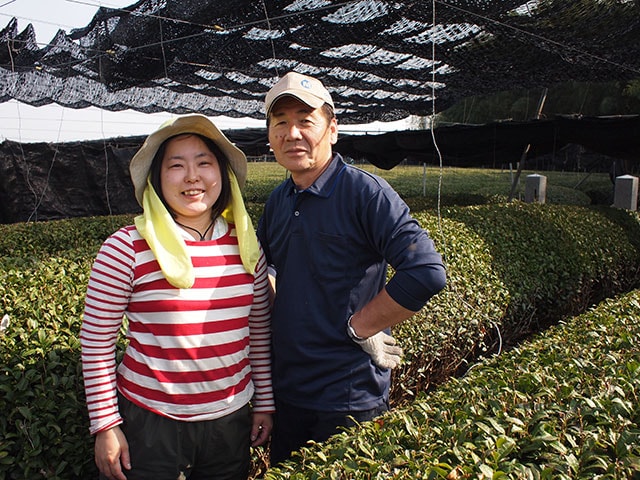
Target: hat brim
{"x":199,"y":124}
{"x":305,"y":97}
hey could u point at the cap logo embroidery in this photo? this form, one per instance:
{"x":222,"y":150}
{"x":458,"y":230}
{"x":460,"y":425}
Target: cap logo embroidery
{"x":305,"y":84}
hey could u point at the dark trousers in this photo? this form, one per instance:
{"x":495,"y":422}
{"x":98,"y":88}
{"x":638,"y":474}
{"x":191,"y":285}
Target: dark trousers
{"x":294,"y":426}
{"x":162,"y":448}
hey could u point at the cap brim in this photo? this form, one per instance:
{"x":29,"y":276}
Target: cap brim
{"x":305,"y":97}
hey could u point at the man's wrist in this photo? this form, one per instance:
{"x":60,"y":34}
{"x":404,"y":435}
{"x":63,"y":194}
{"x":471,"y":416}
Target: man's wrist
{"x":352,"y":333}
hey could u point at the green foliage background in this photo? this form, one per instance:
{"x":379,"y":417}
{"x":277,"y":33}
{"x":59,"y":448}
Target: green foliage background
{"x":513,"y":269}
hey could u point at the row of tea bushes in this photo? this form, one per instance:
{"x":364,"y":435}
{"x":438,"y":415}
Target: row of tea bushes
{"x":564,"y":405}
{"x":506,"y":263}
{"x":513,"y":269}
{"x":556,"y":260}
{"x":44,"y":270}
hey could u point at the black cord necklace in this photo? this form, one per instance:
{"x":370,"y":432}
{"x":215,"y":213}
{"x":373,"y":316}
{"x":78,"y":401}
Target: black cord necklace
{"x":202,"y":235}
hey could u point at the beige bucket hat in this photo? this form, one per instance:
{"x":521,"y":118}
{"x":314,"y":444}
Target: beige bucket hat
{"x":141,"y":161}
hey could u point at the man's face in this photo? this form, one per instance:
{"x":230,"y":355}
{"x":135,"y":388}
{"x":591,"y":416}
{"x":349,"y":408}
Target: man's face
{"x":301,"y":139}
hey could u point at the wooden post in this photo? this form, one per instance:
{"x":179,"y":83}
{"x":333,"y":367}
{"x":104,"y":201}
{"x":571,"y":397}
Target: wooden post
{"x":543,"y":98}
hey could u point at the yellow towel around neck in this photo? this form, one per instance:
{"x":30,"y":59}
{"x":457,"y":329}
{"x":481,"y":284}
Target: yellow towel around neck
{"x":158,"y":228}
{"x":236,"y":213}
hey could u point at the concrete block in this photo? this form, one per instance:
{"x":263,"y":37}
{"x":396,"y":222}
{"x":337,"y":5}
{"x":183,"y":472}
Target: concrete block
{"x":626,"y":192}
{"x":535,"y":189}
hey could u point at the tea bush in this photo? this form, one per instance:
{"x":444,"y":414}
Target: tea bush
{"x":555,"y":260}
{"x":565,"y":405}
{"x":510,"y":268}
{"x":44,"y":269}
{"x":513,"y":269}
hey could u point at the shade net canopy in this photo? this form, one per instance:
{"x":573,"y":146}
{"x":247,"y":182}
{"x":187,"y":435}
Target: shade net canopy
{"x":382,"y":60}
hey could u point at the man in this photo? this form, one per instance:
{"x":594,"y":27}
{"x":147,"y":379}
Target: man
{"x":329,"y":232}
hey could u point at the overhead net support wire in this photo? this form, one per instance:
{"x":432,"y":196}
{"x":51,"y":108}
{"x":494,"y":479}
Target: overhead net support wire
{"x":443,"y":242}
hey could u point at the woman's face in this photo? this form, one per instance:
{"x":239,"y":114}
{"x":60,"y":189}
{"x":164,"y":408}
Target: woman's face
{"x":190,"y":179}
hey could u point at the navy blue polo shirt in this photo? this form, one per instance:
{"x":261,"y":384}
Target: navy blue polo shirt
{"x":330,"y":245}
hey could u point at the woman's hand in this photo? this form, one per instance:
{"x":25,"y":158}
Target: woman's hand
{"x":261,"y":429}
{"x":112,"y":453}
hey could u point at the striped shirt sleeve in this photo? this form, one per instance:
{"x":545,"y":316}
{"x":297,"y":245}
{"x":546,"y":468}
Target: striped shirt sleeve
{"x":260,"y":340}
{"x":107,"y":297}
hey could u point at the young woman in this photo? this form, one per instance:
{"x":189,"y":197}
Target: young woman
{"x":193,"y":390}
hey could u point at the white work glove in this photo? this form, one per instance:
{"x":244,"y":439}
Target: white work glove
{"x":382,"y":349}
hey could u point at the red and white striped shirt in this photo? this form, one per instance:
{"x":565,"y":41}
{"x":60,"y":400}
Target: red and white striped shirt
{"x":193,"y":354}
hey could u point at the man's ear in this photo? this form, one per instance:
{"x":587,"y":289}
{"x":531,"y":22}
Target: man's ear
{"x":333,"y":128}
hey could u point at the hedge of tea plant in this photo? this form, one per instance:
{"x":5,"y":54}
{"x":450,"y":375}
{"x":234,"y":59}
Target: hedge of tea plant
{"x":513,"y":269}
{"x":563,"y":405}
{"x":556,"y":260}
{"x":44,"y":269}
{"x":505,"y":264}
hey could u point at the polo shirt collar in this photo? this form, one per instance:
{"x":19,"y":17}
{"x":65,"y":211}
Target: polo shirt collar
{"x":325,"y":183}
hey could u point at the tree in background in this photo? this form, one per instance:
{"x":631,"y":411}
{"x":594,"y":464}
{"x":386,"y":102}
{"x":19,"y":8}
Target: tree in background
{"x":571,"y":98}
